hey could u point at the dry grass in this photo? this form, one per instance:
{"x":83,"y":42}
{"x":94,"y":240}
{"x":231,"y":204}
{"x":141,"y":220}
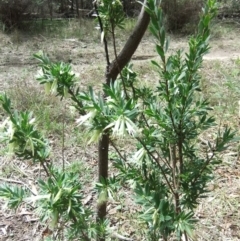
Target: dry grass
{"x":218,"y":214}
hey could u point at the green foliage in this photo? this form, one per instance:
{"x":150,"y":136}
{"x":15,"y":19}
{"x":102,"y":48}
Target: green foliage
{"x":13,"y":194}
{"x":170,"y":119}
{"x":111,"y":14}
{"x":64,"y":199}
{"x":19,"y":132}
{"x":168,"y":171}
{"x":173,"y":173}
{"x":100,"y":115}
{"x":58,"y":78}
{"x":58,"y":198}
{"x":107,"y":188}
{"x":58,"y":202}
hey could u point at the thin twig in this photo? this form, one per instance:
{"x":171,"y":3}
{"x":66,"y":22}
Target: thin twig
{"x":185,"y":236}
{"x":63,"y":138}
{"x":117,"y":150}
{"x":82,"y":111}
{"x":160,"y":167}
{"x":119,"y":236}
{"x":116,"y":57}
{"x":17,"y":182}
{"x":120,"y":154}
{"x":102,"y":31}
{"x":209,"y":159}
{"x":145,"y":120}
{"x":11,"y":180}
{"x":45,"y":169}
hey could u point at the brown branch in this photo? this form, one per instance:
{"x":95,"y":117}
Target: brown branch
{"x":130,"y":47}
{"x":102,"y":30}
{"x":116,"y":58}
{"x":160,"y":167}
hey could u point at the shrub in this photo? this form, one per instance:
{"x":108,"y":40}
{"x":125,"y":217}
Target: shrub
{"x":235,"y":5}
{"x":168,"y":170}
{"x":13,"y":12}
{"x":181,"y":14}
{"x":229,"y":9}
{"x":131,"y":8}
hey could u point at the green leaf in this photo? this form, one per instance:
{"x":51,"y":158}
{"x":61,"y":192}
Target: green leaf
{"x":162,"y":36}
{"x":155,"y":63}
{"x":167,"y":45}
{"x":58,"y":196}
{"x":160,"y":52}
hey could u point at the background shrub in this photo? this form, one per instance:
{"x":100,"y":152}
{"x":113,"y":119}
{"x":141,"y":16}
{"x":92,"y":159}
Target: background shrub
{"x":131,"y":8}
{"x":13,"y":12}
{"x":229,"y":9}
{"x":182,"y":14}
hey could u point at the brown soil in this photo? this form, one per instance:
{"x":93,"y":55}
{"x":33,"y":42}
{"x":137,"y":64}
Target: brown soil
{"x":18,"y":66}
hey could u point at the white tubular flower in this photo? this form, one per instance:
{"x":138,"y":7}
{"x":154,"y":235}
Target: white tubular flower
{"x":96,"y":135}
{"x":51,"y":87}
{"x":122,"y":126}
{"x":4,"y":124}
{"x":10,"y":130}
{"x":39,"y":73}
{"x":6,"y":130}
{"x":32,"y":121}
{"x":89,"y":116}
{"x":119,"y":128}
{"x":6,"y":134}
{"x":54,"y":86}
{"x":66,"y":93}
{"x":33,"y":199}
{"x":47,"y":87}
{"x":139,"y":155}
{"x":77,"y":75}
{"x":131,"y":127}
{"x":111,"y":102}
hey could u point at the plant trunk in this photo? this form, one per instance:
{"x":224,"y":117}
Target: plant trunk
{"x":130,"y":47}
{"x":112,"y":71}
{"x":50,"y":5}
{"x":103,"y":147}
{"x":77,"y":7}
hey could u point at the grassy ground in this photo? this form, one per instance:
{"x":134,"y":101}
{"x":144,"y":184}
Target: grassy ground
{"x":79,"y":43}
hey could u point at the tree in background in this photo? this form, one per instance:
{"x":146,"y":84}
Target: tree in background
{"x":181,"y":14}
